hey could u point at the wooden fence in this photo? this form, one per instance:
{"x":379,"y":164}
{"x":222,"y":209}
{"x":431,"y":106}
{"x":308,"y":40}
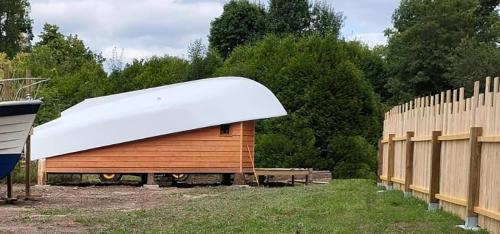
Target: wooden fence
{"x":445,"y":150}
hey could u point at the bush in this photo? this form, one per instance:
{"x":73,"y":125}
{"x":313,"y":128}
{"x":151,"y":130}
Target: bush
{"x":355,"y":157}
{"x":320,"y":84}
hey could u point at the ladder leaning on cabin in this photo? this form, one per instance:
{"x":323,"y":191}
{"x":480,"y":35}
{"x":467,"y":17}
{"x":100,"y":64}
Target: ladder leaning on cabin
{"x":253,"y":165}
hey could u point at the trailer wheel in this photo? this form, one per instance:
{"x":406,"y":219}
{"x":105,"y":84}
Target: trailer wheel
{"x":180,"y":177}
{"x":109,"y":177}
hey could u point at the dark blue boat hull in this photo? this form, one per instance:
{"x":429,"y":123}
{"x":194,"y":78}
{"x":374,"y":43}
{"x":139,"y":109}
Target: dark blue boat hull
{"x":7,"y":163}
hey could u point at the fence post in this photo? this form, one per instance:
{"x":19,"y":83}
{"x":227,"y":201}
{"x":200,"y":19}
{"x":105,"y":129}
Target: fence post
{"x":435,"y":171}
{"x":380,"y":162}
{"x":474,"y":174}
{"x":42,"y":176}
{"x":390,"y":162}
{"x":409,"y":164}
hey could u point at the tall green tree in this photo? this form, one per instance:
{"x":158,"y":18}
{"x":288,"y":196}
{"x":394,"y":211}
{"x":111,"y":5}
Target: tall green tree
{"x":240,"y":22}
{"x":202,"y":61}
{"x":424,"y":40}
{"x":75,"y":72}
{"x":323,"y":90}
{"x":324,"y":20}
{"x":15,"y":26}
{"x":488,"y":21}
{"x":289,"y":16}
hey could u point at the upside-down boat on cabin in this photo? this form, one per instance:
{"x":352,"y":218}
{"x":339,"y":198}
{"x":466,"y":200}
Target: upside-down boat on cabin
{"x":17,"y":114}
{"x":203,"y":126}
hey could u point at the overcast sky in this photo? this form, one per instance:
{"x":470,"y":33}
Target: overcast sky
{"x":156,"y":27}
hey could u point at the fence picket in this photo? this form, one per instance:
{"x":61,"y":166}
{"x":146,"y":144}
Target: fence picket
{"x":463,"y":166}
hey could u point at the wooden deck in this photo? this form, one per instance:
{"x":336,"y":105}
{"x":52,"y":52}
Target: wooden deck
{"x":292,"y":172}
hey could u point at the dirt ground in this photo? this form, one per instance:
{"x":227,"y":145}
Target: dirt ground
{"x":56,"y":207}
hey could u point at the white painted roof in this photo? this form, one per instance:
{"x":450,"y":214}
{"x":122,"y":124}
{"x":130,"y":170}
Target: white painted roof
{"x":131,"y":116}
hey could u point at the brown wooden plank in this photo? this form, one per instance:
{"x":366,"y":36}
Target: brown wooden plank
{"x":419,"y":189}
{"x":149,"y":170}
{"x":41,"y":172}
{"x":421,"y":139}
{"x":489,"y":139}
{"x":234,"y":158}
{"x":144,"y":164}
{"x":435,"y":166}
{"x":380,"y":159}
{"x":241,"y":147}
{"x":474,"y":171}
{"x":454,"y":200}
{"x":27,"y":173}
{"x":151,"y":154}
{"x":409,"y":161}
{"x":454,"y":137}
{"x":390,"y":163}
{"x":488,"y":213}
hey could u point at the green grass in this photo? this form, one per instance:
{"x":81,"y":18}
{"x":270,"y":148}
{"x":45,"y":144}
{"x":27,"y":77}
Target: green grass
{"x":343,"y":206}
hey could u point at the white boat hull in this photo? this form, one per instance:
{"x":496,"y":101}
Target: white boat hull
{"x":16,"y":119}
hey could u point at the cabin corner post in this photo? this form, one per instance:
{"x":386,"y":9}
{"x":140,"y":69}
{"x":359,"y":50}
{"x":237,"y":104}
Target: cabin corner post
{"x":390,"y":162}
{"x":409,"y":164}
{"x":471,"y":219}
{"x":435,"y":171}
{"x":41,"y":172}
{"x":239,"y":177}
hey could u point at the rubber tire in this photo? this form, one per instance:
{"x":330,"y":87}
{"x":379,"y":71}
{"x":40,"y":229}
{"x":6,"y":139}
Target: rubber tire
{"x":180,"y":177}
{"x":115,"y":178}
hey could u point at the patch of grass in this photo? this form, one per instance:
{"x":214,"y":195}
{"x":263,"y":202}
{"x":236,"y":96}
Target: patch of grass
{"x":57,"y":211}
{"x":343,"y":206}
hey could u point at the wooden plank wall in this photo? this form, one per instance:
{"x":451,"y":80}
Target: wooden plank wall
{"x":468,"y":130}
{"x":196,"y":151}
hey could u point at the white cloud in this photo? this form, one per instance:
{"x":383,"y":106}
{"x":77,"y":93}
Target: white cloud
{"x":370,"y":39}
{"x":142,"y":28}
{"x":157,"y":27}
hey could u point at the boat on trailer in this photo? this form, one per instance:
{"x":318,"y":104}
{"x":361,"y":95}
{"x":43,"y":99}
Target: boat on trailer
{"x":17,"y":113}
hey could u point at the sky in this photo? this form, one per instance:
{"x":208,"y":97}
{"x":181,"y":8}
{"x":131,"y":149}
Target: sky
{"x":143,"y":28}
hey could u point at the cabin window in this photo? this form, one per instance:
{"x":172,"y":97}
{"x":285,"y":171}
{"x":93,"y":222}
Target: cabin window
{"x":225,"y":129}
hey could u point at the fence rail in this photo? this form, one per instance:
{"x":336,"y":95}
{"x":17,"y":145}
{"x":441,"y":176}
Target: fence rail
{"x":444,"y":150}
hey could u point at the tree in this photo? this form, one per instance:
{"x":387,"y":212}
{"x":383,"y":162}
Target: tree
{"x":425,"y":38}
{"x":289,"y":16}
{"x":488,"y":21}
{"x":15,"y":26}
{"x":240,"y":23}
{"x":202,"y":62}
{"x":373,"y":65}
{"x":356,"y":158}
{"x":324,"y":20}
{"x":323,"y":90}
{"x":75,"y":72}
{"x":152,"y":72}
{"x":243,"y":22}
{"x":473,"y":61}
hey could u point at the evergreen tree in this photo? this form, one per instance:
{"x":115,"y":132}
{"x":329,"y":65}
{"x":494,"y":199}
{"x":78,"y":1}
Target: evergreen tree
{"x":425,"y":39}
{"x":323,"y":89}
{"x":240,"y":23}
{"x":288,"y":16}
{"x":15,"y":26}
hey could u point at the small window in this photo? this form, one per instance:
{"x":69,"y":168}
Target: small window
{"x":225,"y":129}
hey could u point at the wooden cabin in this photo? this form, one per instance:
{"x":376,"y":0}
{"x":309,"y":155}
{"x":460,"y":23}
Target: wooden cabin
{"x":207,"y":134}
